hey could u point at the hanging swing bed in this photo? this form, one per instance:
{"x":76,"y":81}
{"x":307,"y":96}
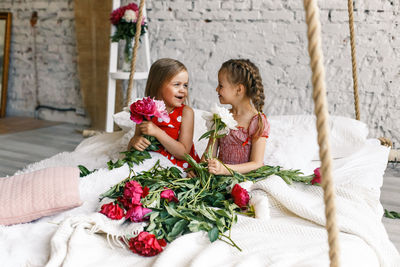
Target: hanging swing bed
{"x":295,"y":225}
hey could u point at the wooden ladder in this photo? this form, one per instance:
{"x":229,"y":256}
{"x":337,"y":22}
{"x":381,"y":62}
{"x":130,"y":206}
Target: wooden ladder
{"x":114,"y":74}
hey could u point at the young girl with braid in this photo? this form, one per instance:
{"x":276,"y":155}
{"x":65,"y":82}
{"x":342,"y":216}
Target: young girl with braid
{"x":242,"y":150}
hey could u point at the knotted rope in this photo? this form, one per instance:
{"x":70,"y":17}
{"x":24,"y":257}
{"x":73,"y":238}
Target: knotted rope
{"x":353,"y":58}
{"x":321,"y":112}
{"x":134,"y":53}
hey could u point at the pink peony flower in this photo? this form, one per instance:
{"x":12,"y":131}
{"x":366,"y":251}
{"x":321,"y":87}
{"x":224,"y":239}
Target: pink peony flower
{"x":146,"y":244}
{"x":317,"y":177}
{"x":137,"y":213}
{"x":144,"y":108}
{"x":136,"y":118}
{"x":240,"y":196}
{"x":112,"y":211}
{"x":169,"y":195}
{"x":160,"y":111}
{"x":133,"y":190}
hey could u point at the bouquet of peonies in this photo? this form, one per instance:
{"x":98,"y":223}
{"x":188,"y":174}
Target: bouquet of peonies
{"x":173,"y":205}
{"x":124,"y":19}
{"x":147,"y":108}
{"x":219,"y":122}
{"x":142,"y":109}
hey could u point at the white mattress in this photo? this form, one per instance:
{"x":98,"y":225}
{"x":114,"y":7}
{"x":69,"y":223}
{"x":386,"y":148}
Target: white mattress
{"x":290,"y":232}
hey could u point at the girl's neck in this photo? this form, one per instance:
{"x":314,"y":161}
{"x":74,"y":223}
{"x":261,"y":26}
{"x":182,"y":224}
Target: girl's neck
{"x":243,"y":107}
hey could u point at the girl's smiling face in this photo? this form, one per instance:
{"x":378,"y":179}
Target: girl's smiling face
{"x":175,"y":91}
{"x":226,"y":91}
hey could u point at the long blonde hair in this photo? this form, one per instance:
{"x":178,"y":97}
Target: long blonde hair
{"x":162,"y":71}
{"x":245,"y":72}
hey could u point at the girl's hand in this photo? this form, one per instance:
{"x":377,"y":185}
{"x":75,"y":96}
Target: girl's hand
{"x":139,"y":143}
{"x":216,"y":167}
{"x":149,"y":128}
{"x":191,"y":174}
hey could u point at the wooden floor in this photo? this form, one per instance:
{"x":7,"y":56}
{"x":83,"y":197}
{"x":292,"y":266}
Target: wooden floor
{"x":25,"y":147}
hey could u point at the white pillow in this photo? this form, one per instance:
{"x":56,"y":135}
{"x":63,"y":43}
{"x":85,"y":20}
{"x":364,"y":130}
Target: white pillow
{"x":346,"y":135}
{"x":293,"y":139}
{"x":292,"y":142}
{"x":122,"y":119}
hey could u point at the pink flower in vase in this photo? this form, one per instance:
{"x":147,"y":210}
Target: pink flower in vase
{"x":118,"y":13}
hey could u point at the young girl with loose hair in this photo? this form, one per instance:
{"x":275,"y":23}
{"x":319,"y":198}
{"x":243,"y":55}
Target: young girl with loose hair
{"x":242,"y":150}
{"x":168,"y":80}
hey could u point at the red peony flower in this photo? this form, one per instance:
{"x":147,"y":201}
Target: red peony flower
{"x":144,"y":108}
{"x":133,"y":190}
{"x":126,"y":203}
{"x":146,"y":244}
{"x":112,"y":211}
{"x":240,"y":196}
{"x":117,"y":14}
{"x":137,"y":213}
{"x":146,"y":191}
{"x":317,"y":177}
{"x":169,"y":195}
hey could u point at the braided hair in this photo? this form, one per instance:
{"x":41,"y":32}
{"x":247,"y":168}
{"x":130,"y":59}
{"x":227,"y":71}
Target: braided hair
{"x":243,"y":71}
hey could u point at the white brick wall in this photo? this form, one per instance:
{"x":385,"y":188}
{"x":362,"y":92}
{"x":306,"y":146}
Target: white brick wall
{"x":56,"y":60}
{"x":204,"y":33}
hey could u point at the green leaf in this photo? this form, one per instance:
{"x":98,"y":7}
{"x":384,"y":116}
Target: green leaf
{"x":171,"y":221}
{"x":194,"y":226}
{"x":84,"y":171}
{"x":213,"y":234}
{"x":392,"y":214}
{"x":206,"y":214}
{"x":151,"y":226}
{"x":205,"y":135}
{"x":222,"y":213}
{"x":178,"y":228}
{"x":172,"y":211}
{"x":153,"y":215}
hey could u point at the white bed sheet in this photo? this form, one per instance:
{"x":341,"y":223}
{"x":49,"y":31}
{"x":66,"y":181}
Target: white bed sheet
{"x":290,"y":234}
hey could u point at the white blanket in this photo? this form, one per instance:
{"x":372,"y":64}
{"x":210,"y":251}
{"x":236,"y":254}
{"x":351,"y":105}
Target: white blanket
{"x":288,"y":232}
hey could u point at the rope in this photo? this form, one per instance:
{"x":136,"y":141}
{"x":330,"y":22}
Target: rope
{"x":134,"y":52}
{"x":353,"y":58}
{"x":321,"y":111}
{"x":385,"y":141}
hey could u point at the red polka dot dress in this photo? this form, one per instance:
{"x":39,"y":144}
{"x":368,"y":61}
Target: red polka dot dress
{"x":172,"y":128}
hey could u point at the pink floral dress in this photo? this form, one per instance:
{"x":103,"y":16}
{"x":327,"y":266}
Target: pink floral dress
{"x":172,"y":128}
{"x":235,"y":148}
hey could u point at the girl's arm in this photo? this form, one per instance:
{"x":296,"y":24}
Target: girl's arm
{"x":178,"y":148}
{"x":256,"y":160}
{"x":138,"y":142}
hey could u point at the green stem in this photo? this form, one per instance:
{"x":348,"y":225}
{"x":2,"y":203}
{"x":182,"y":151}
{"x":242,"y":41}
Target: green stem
{"x":230,"y":239}
{"x":201,"y":191}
